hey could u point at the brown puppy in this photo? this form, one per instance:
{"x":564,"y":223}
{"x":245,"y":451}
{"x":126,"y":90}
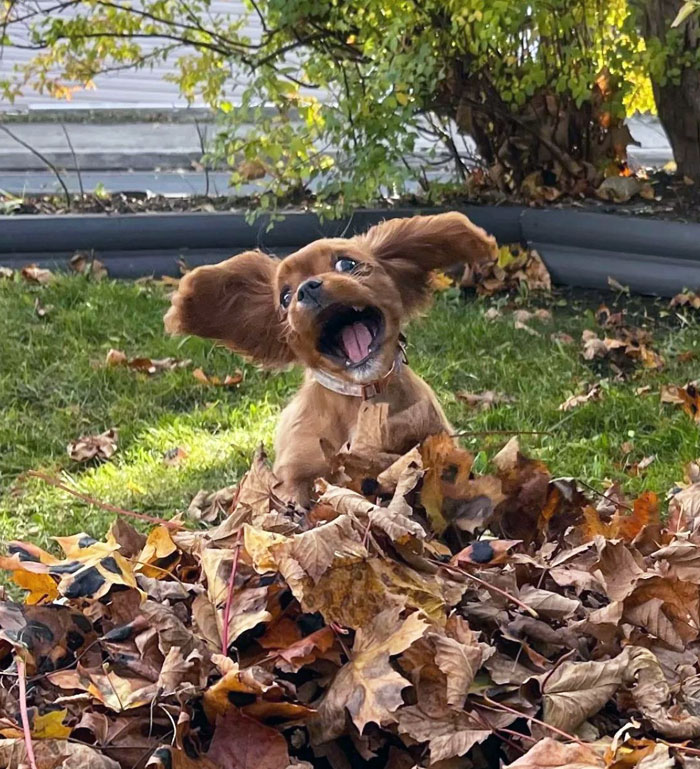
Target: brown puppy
{"x":335,"y":306}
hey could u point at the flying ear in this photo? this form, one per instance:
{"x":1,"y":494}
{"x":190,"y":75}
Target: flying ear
{"x":233,"y":302}
{"x":410,"y":248}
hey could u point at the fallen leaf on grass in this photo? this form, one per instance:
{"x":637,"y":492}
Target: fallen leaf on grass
{"x":687,"y":397}
{"x":562,"y":337}
{"x":628,"y":347}
{"x":573,"y":401}
{"x":147,"y":365}
{"x":88,"y":447}
{"x":439,"y":281}
{"x":41,"y":310}
{"x":215,"y":381}
{"x":686,"y":299}
{"x":174,"y":457}
{"x":607,"y":319}
{"x":483,"y":401}
{"x":85,"y":263}
{"x":32,"y":273}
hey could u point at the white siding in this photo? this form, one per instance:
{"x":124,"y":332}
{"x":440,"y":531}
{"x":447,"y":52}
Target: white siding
{"x":143,"y":88}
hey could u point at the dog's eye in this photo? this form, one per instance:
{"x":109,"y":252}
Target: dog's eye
{"x":286,"y":297}
{"x":345,"y":265}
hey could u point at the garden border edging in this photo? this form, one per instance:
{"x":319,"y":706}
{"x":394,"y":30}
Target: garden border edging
{"x":580,"y":249}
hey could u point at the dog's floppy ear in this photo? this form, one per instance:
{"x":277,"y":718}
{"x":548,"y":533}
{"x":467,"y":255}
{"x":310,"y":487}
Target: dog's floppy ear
{"x":410,"y":248}
{"x":234,"y":302}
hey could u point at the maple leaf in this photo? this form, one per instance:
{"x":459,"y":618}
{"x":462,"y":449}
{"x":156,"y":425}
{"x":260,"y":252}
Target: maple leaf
{"x":449,"y":733}
{"x":367,"y":686}
{"x":315,"y":550}
{"x":623,"y":524}
{"x":240,"y":742}
{"x":459,"y":656}
{"x":550,"y":754}
{"x":53,"y":753}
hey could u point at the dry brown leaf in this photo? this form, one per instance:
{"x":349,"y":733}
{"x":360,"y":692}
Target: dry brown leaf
{"x":459,"y":659}
{"x":448,"y":733}
{"x":147,"y":365}
{"x":32,"y":273}
{"x":551,"y":754}
{"x":575,"y":691}
{"x":367,"y":686}
{"x":230,"y":380}
{"x":687,"y":397}
{"x":240,"y":742}
{"x":483,"y":401}
{"x":90,"y":447}
{"x":573,"y":401}
{"x":53,"y":754}
{"x":686,"y":299}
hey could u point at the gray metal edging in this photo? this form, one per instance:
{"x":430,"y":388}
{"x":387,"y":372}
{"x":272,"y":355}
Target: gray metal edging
{"x":580,"y":249}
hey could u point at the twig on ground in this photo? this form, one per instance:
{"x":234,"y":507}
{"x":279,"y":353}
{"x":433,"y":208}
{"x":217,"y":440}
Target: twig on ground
{"x":229,"y":594}
{"x":499,"y":706}
{"x":462,"y":433}
{"x":485,"y":584}
{"x":21,"y":672}
{"x":103,"y":505}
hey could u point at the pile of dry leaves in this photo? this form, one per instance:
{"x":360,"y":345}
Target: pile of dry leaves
{"x":418,"y":615}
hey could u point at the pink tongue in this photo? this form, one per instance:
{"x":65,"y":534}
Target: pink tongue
{"x":356,"y":341}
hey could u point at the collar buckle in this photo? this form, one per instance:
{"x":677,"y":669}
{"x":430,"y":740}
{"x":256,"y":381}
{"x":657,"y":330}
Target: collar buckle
{"x":370,"y":390}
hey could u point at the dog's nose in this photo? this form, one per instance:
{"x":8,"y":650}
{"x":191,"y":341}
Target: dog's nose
{"x":309,"y":290}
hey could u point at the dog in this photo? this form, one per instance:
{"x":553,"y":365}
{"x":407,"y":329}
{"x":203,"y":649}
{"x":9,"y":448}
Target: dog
{"x":336,"y":307}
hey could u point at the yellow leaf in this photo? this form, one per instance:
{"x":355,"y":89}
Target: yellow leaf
{"x":50,"y":726}
{"x":258,"y":543}
{"x":159,"y":547}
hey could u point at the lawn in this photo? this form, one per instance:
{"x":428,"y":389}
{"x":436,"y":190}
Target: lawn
{"x":55,"y":386}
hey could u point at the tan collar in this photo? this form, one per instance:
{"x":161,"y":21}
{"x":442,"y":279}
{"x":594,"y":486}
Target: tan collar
{"x":364,"y":391}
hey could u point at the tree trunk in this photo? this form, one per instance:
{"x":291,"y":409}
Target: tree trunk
{"x":678,"y":104}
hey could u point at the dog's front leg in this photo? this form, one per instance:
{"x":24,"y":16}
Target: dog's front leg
{"x":299,"y":459}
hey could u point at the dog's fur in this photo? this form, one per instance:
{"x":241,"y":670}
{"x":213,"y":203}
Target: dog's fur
{"x":238,"y":302}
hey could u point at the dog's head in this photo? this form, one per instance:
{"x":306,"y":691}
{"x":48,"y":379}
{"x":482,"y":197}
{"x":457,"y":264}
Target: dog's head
{"x":336,"y":304}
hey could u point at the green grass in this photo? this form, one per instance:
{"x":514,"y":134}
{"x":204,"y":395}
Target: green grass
{"x":54,"y":386}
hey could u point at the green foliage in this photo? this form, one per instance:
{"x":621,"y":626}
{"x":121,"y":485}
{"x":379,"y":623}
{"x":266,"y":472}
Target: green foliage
{"x":334,"y":95}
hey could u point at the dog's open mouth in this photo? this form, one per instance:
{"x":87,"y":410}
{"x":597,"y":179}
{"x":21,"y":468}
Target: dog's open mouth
{"x":350,"y":334}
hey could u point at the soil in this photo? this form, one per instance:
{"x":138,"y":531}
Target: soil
{"x":675,"y":199}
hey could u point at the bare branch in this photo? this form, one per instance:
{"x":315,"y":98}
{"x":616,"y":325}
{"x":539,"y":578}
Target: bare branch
{"x":43,"y":159}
